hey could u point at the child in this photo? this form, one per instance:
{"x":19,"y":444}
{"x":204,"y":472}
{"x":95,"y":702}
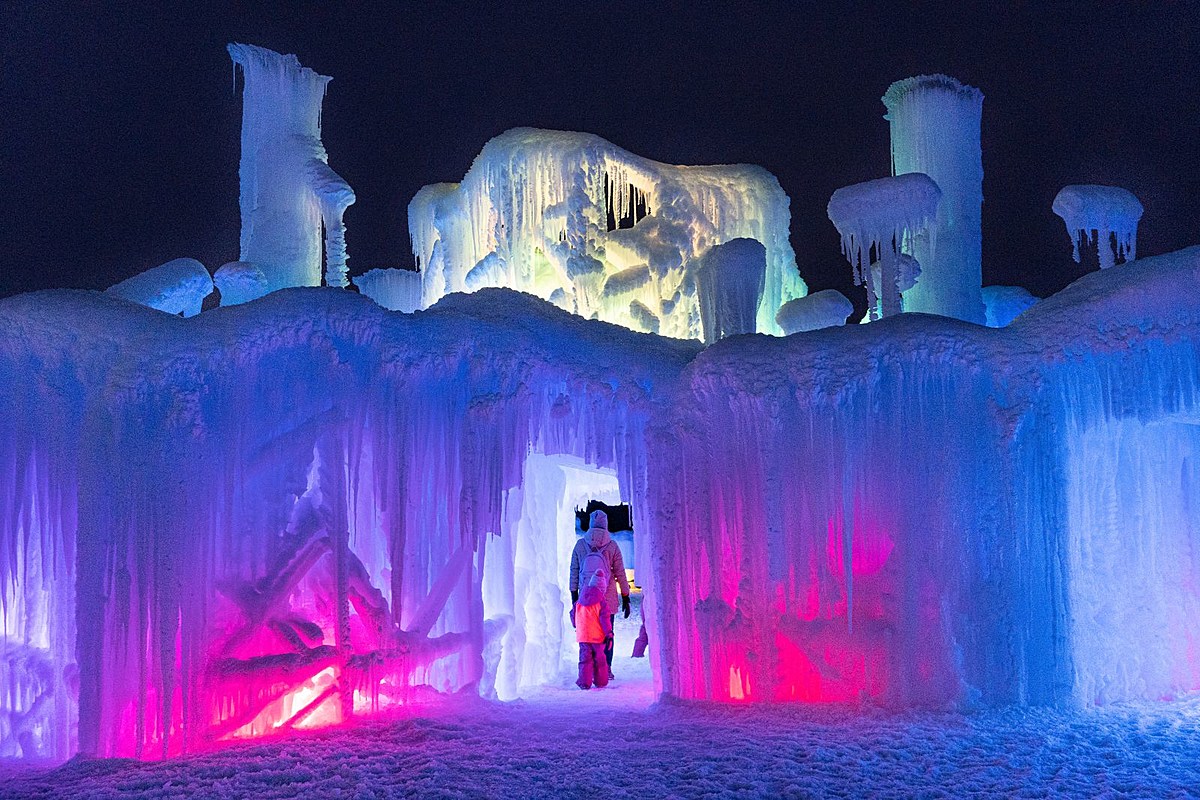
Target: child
{"x":593,"y":630}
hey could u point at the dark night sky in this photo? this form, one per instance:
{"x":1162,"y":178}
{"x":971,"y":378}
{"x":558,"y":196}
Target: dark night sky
{"x":120,"y":129}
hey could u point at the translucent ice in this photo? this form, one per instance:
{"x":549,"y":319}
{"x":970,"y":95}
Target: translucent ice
{"x":240,"y":282}
{"x":1005,"y":303}
{"x":729,"y":284}
{"x":824,"y":309}
{"x":394,"y":289}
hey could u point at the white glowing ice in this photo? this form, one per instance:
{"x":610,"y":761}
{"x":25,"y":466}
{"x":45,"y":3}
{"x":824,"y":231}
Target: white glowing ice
{"x":289,"y":193}
{"x":599,"y":231}
{"x":1103,"y":216}
{"x":882,"y":217}
{"x":176,"y":287}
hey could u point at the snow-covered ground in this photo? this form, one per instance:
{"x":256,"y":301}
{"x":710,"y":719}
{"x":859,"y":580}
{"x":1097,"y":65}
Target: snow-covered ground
{"x":616,"y":742}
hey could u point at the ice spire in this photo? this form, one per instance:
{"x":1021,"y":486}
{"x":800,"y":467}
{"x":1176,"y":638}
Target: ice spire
{"x":288,"y":191}
{"x":935,"y":129}
{"x":1100,"y":212}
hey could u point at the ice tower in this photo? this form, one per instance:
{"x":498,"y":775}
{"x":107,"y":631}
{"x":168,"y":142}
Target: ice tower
{"x":935,"y":124}
{"x":289,"y":193}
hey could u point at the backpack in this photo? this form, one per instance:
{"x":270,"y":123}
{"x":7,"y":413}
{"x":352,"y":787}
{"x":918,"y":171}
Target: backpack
{"x":592,"y":562}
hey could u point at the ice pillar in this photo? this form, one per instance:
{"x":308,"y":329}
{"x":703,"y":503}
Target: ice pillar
{"x":935,"y":123}
{"x":288,"y":191}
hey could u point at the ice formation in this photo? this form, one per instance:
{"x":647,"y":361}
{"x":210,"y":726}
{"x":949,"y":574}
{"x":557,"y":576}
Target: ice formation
{"x":290,"y":512}
{"x":935,"y":128}
{"x":883,"y":217}
{"x":729,"y":285}
{"x":1104,"y":216}
{"x":240,"y":282}
{"x":289,"y":193}
{"x":824,"y":309}
{"x":176,"y":287}
{"x":1005,"y":303}
{"x":394,"y":289}
{"x":597,"y":230}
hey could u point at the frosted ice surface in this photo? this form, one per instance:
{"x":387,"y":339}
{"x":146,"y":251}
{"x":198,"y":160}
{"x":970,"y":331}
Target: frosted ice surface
{"x":729,"y":284}
{"x":176,"y":287}
{"x":1005,"y":303}
{"x":1097,"y":214}
{"x":394,"y":289}
{"x":603,"y":232}
{"x":824,"y":309}
{"x":240,"y":282}
{"x":289,"y":193}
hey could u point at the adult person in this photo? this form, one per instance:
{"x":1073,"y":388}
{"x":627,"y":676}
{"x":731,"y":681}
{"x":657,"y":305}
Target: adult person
{"x":597,"y":540}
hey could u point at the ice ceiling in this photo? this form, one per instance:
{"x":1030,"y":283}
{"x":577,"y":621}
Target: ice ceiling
{"x":304,"y":508}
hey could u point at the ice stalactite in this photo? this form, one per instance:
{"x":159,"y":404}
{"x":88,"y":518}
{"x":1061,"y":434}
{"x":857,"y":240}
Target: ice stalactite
{"x":1102,"y":216}
{"x":935,"y":129}
{"x":289,"y":193}
{"x":564,"y":214}
{"x":884,"y":217}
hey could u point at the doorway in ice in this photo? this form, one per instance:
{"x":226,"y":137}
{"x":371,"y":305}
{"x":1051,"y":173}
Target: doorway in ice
{"x":530,"y":646}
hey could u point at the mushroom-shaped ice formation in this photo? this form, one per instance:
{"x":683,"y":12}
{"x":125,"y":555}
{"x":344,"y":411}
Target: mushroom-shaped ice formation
{"x":1094,"y":214}
{"x":883,"y":214}
{"x":827,"y":308}
{"x":240,"y":282}
{"x":176,"y":287}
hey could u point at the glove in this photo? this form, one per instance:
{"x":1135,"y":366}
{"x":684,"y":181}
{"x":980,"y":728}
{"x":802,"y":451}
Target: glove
{"x":625,"y":605}
{"x":572,"y":616}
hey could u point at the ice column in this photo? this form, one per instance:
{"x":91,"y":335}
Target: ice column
{"x":1100,"y":212}
{"x":935,"y":124}
{"x":729,"y":283}
{"x":288,"y":190}
{"x":885,"y":215}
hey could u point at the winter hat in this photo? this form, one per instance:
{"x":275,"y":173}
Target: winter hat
{"x":593,"y":590}
{"x":597,"y":534}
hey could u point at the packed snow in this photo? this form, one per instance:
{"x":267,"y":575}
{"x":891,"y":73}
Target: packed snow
{"x":607,"y":743}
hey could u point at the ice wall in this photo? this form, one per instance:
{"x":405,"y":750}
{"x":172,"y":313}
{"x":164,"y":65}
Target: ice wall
{"x":935,"y":127}
{"x":597,"y":230}
{"x":289,"y":193}
{"x":1104,"y":216}
{"x":287,"y":513}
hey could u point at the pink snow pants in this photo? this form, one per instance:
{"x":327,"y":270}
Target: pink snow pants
{"x":592,"y":665}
